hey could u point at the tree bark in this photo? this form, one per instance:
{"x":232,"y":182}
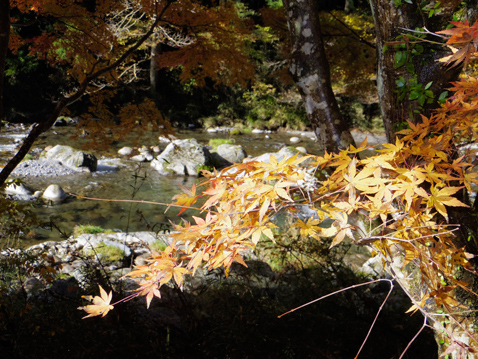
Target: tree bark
{"x":310,"y":70}
{"x":390,"y":22}
{"x":4,"y":39}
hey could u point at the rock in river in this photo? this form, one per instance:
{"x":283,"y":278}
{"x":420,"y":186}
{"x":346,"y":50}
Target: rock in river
{"x":182,"y":157}
{"x":54,"y":193}
{"x":72,"y":158}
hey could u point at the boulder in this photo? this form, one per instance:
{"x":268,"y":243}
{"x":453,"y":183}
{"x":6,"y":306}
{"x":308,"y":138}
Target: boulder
{"x":231,"y":153}
{"x":139,"y":158}
{"x":18,"y":189}
{"x":125,"y":151}
{"x":54,"y":193}
{"x":182,"y":157}
{"x":72,"y":158}
{"x":284,"y":152}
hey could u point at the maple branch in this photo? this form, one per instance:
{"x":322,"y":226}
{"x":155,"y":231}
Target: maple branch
{"x":424,"y":325}
{"x":376,"y":317}
{"x":136,"y":201}
{"x":40,"y":128}
{"x":337,"y":292}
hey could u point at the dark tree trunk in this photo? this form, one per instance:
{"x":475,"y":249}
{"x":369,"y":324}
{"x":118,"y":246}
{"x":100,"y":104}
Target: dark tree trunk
{"x":310,"y":70}
{"x":390,"y":22}
{"x":4,"y":39}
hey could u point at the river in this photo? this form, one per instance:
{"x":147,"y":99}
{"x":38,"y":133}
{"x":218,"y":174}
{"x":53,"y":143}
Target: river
{"x":132,"y":181}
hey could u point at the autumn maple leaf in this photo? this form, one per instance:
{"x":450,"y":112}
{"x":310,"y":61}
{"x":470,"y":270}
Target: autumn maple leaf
{"x":441,"y":197}
{"x":185,"y":199}
{"x":101,"y":305}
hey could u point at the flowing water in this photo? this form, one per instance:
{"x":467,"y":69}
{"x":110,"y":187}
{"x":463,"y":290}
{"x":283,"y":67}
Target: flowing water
{"x":131,"y":181}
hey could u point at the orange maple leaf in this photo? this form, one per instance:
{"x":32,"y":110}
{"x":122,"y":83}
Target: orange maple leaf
{"x":101,"y":305}
{"x":185,"y":199}
{"x":441,"y":197}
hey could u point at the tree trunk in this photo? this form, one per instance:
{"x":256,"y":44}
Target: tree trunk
{"x":390,"y":22}
{"x":4,"y":39}
{"x":310,"y":70}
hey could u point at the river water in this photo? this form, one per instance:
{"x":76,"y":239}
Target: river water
{"x":132,"y":181}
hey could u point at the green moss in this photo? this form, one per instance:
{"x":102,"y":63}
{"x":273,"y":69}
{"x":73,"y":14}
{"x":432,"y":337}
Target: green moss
{"x":28,"y":157}
{"x":89,"y":229}
{"x":205,"y":167}
{"x":158,"y":246}
{"x":236,"y":132}
{"x":106,"y":252}
{"x":216,"y":142}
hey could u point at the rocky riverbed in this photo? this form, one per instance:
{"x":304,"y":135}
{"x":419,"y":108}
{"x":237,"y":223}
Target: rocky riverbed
{"x":42,"y":168}
{"x":125,"y":172}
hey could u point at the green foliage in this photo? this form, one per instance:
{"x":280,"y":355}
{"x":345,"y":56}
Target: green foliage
{"x":28,"y":157}
{"x":365,"y":117}
{"x":205,"y":167}
{"x":408,"y":50}
{"x":15,"y":220}
{"x":265,"y":107}
{"x":236,"y":132}
{"x":24,"y":63}
{"x":275,"y":4}
{"x":415,"y":91}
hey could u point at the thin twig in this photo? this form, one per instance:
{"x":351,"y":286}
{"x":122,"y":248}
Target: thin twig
{"x":415,"y":337}
{"x":333,"y":293}
{"x":376,"y":316}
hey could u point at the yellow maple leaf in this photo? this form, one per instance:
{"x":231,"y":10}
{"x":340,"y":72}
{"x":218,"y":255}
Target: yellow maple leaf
{"x":101,"y":305}
{"x":309,"y":228}
{"x":440,"y":198}
{"x":186,"y":199}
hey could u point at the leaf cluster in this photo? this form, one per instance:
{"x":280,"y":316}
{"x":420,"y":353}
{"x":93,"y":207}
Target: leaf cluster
{"x":407,"y":192}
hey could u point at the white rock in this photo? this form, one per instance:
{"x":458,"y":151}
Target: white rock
{"x":18,"y":189}
{"x":212,"y":130}
{"x":125,"y":151}
{"x":182,"y":157}
{"x":37,"y":194}
{"x":139,"y":158}
{"x":295,"y":140}
{"x":54,"y":193}
{"x":301,"y":149}
{"x":168,"y":139}
{"x":256,"y":130}
{"x":231,"y":153}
